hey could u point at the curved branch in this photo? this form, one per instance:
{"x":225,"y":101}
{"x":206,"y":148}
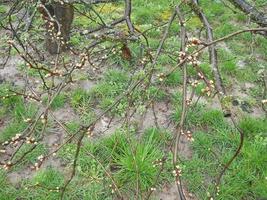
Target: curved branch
{"x":258,"y":17}
{"x":212,"y":54}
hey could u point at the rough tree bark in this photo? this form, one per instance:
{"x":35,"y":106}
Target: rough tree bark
{"x":63,"y":14}
{"x":258,"y":17}
{"x":56,"y":41}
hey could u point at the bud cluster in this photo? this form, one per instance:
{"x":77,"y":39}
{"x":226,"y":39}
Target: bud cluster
{"x":194,"y":42}
{"x":182,"y":55}
{"x":26,"y":96}
{"x":7,"y":165}
{"x":31,"y":140}
{"x":89,"y":132}
{"x":188,"y":135}
{"x":207,"y":90}
{"x":194,"y":83}
{"x":177,"y":171}
{"x":14,"y":141}
{"x":188,"y":102}
{"x":37,"y":165}
{"x":113,"y":189}
{"x":55,"y":190}
{"x":193,"y":60}
{"x":144,"y":60}
{"x":43,"y":119}
{"x":158,"y":162}
{"x":84,"y":58}
{"x":161,"y":76}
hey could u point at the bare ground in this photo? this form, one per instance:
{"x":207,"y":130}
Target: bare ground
{"x":159,"y":115}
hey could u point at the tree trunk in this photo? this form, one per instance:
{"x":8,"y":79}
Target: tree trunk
{"x":58,"y":34}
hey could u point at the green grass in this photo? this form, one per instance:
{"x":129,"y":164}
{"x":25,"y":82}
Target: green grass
{"x":135,"y":164}
{"x":30,"y":158}
{"x":127,"y":158}
{"x":44,"y":185}
{"x":253,"y":126}
{"x":156,"y":93}
{"x":58,"y":102}
{"x":130,"y":157}
{"x":145,"y":12}
{"x":72,"y":126}
{"x":13,"y":128}
{"x":106,"y":92}
{"x":199,"y":116}
{"x":79,"y":98}
{"x":247,"y":174}
{"x":11,"y":101}
{"x":16,"y":109}
{"x":7,"y":191}
{"x":134,"y":160}
{"x":174,"y":79}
